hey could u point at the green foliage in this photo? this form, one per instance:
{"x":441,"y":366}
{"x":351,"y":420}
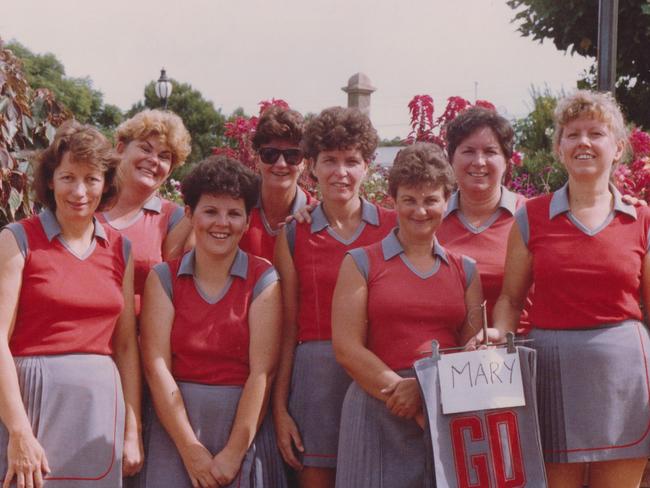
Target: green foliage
{"x":395,"y":141}
{"x":28,"y":121}
{"x":203,"y":121}
{"x":572,"y":25}
{"x":77,"y":94}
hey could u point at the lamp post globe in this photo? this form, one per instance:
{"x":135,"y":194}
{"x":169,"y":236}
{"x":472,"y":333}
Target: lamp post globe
{"x":163,"y":87}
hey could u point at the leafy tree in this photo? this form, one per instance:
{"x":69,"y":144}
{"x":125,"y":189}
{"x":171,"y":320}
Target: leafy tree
{"x":572,"y":25}
{"x":203,"y":121}
{"x":77,"y":94}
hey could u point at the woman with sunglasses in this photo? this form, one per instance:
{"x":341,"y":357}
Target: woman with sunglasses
{"x":339,"y":144}
{"x":280,"y":163}
{"x":69,"y":365}
{"x":151,"y":144}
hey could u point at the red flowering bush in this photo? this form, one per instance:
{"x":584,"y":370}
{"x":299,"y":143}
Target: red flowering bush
{"x":633,"y":178}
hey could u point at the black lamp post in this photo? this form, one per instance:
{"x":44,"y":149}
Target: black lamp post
{"x":163,"y":88}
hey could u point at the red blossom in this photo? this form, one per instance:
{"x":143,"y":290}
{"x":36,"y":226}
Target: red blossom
{"x":516,"y":159}
{"x":485,"y":104}
{"x":264,"y":104}
{"x":640,"y":142}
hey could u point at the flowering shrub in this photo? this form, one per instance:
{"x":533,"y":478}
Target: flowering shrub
{"x":633,"y":178}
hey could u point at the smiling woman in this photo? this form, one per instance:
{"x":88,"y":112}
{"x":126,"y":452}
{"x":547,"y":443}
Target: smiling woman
{"x":69,"y":366}
{"x":151,"y":145}
{"x":210,"y":343}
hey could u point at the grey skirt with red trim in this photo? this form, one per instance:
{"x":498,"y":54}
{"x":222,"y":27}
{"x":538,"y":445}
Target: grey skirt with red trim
{"x":318,"y":386}
{"x":75,"y":405}
{"x":211,"y":411}
{"x":378,"y":449}
{"x":593,"y":390}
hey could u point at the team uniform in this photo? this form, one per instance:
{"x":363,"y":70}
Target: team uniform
{"x":210,"y":363}
{"x":486,"y":244}
{"x":67,"y":311}
{"x":260,"y":238}
{"x":147,"y":232}
{"x":376,"y":448}
{"x":319,"y":383}
{"x":594,"y":385}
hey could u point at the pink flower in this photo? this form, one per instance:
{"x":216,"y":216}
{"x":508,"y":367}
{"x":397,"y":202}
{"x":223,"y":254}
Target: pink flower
{"x":640,"y":142}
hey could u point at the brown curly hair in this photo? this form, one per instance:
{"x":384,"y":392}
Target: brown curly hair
{"x":473,"y":119}
{"x":340,"y":128}
{"x":162,"y":123}
{"x":220,"y":175}
{"x":86,"y":145}
{"x":278,"y":123}
{"x":419,"y":164}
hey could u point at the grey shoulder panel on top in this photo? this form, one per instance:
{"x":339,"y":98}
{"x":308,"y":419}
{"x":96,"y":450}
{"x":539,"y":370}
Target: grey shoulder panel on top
{"x":268,"y":277}
{"x":165,"y":277}
{"x":175,"y":218}
{"x":126,"y":249}
{"x":291,"y":236}
{"x":521,"y":217}
{"x":469,"y":267}
{"x":361,"y":260}
{"x":21,"y":237}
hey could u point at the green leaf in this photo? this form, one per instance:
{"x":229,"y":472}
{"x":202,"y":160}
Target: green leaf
{"x":50,"y":132}
{"x":15,"y":201}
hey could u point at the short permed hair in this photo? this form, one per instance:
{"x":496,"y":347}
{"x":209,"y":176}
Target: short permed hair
{"x":164,"y":124}
{"x":420,"y":164}
{"x":86,"y":145}
{"x":220,"y":175}
{"x":337,"y":128}
{"x":278,"y":123}
{"x":474,"y":118}
{"x":596,"y":105}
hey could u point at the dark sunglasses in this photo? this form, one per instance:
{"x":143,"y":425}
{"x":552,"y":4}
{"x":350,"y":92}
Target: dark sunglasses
{"x":270,"y":155}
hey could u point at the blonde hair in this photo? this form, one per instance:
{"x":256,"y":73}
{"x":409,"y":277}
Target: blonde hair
{"x":596,"y":105}
{"x":166,"y":125}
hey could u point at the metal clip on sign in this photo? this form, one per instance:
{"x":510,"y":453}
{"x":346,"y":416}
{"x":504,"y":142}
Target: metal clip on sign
{"x":435,"y":350}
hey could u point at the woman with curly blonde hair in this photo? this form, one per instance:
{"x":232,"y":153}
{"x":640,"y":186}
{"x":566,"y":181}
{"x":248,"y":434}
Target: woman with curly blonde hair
{"x":151,"y":145}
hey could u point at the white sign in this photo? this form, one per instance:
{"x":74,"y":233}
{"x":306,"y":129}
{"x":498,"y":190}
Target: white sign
{"x":480,"y":380}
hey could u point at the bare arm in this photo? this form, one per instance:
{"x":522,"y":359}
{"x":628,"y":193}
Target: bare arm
{"x":349,"y":329}
{"x":127,"y":359}
{"x":473,"y":301}
{"x":156,"y":322}
{"x":264,"y":323}
{"x":179,"y":240}
{"x":285,"y":427}
{"x":645,"y":283}
{"x":516,"y":283}
{"x":26,"y":459}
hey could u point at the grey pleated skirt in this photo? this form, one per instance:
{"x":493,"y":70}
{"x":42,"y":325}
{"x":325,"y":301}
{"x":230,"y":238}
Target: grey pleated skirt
{"x":318,"y":387}
{"x":75,"y":405}
{"x":378,"y":449}
{"x":211,"y":411}
{"x":593,"y":391}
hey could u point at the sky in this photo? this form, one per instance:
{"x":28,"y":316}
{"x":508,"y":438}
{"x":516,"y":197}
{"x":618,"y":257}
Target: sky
{"x":239,"y":52}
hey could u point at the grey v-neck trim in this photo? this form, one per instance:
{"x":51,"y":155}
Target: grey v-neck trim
{"x":217,"y":298}
{"x":583,"y":228}
{"x":481,"y":228}
{"x":351,"y":240}
{"x":80,"y":257}
{"x":414,"y":270}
